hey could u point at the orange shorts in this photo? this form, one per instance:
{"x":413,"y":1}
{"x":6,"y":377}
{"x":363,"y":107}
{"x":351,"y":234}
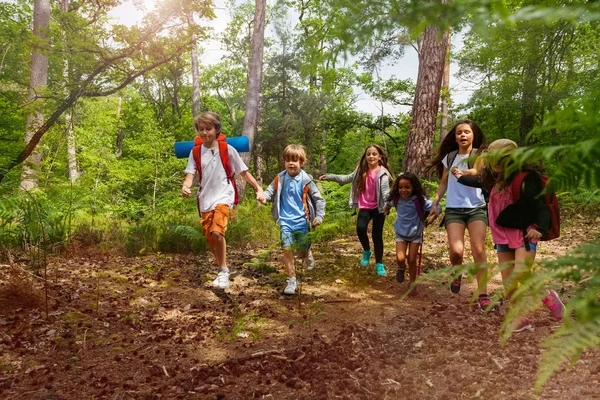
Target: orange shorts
{"x":215,"y":221}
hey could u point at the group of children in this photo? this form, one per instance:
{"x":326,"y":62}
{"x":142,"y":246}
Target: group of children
{"x":298,"y":206}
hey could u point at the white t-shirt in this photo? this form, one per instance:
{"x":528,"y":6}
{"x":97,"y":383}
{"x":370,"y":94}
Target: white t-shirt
{"x":215,"y":188}
{"x":457,"y":194}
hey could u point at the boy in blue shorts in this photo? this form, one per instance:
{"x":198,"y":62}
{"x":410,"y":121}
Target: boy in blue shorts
{"x":297,"y":205}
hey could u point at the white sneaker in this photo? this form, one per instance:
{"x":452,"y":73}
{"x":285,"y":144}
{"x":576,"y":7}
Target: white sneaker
{"x":309,"y":261}
{"x":222,"y":280}
{"x":292,"y":285}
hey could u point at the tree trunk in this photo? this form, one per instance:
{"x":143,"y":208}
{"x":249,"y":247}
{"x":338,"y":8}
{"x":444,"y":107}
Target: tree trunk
{"x":323,"y":156}
{"x":37,"y":81}
{"x":121,"y":133}
{"x":528,"y":100}
{"x":195,"y":71}
{"x":254,"y":82}
{"x":432,"y":54}
{"x":71,"y":147}
{"x":445,"y":92}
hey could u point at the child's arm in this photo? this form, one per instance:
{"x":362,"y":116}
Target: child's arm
{"x":269,"y":192}
{"x":187,"y":185}
{"x":475,"y":171}
{"x":260,"y":195}
{"x":319,"y":201}
{"x":341,"y":179}
{"x":436,"y":209}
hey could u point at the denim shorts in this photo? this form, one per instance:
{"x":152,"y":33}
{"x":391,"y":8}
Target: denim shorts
{"x":465,"y":215}
{"x":297,"y":238}
{"x":503,"y":248}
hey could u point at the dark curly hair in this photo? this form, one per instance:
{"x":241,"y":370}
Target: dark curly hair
{"x":418,"y":189}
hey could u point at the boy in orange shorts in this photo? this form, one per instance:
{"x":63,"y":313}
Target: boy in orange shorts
{"x":217,"y":191}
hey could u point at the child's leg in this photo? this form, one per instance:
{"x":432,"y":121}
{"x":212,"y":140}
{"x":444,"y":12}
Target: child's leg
{"x":477,"y":231}
{"x":362,"y":224}
{"x":401,"y":247}
{"x":288,"y":262}
{"x":214,"y":226}
{"x":377,"y":233}
{"x":413,"y":251}
{"x":401,"y":250}
{"x":507,"y":259}
{"x":219,"y":249}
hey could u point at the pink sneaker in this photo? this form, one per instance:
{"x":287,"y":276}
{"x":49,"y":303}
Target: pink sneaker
{"x":520,"y":324}
{"x":556,"y":307}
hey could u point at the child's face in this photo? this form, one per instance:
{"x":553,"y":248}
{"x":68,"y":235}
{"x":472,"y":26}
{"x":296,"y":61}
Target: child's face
{"x":208,"y":133}
{"x":293,"y":167}
{"x":405,"y":189}
{"x":464,"y":136}
{"x":372,"y":155}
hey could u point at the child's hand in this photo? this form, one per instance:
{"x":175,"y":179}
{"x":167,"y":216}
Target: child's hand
{"x":533,"y":234}
{"x":260,"y":196}
{"x":386,"y":211}
{"x":433,"y":214}
{"x":456,"y":172}
{"x":323,"y":178}
{"x":185,"y":191}
{"x":316,"y":222}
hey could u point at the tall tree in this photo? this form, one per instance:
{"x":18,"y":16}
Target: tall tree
{"x":37,"y":82}
{"x":432,"y":49}
{"x":255,"y":70}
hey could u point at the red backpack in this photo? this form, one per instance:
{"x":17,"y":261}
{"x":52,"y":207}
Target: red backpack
{"x":549,"y":198}
{"x":224,"y":155}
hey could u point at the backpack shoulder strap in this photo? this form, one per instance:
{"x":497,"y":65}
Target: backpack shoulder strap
{"x":451,"y":157}
{"x":305,"y":200}
{"x":419,"y":209}
{"x":516,"y":185}
{"x":276,"y":182}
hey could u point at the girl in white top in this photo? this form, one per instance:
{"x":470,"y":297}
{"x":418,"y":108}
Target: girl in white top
{"x":465,"y":205}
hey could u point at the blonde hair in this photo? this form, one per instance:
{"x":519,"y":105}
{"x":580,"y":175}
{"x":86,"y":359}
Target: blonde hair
{"x":502,"y":144}
{"x":208,"y":118}
{"x":294,"y":152}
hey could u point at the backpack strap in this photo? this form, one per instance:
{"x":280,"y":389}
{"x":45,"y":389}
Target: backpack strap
{"x":516,"y":185}
{"x":419,"y":209}
{"x":224,"y":156}
{"x":452,"y":156}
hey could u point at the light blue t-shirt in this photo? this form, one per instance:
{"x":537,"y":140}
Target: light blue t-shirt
{"x":292,"y":213}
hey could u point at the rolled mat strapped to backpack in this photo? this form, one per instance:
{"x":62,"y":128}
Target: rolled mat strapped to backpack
{"x":240,"y":143}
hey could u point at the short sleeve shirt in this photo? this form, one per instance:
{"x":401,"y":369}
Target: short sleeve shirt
{"x":457,"y":194}
{"x":215,"y":187}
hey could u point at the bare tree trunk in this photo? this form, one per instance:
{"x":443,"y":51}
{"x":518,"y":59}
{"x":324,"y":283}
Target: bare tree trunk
{"x":195,"y":71}
{"x":528,"y":100}
{"x":432,"y":54}
{"x":121,"y":133}
{"x":254,"y":82}
{"x":71,"y":148}
{"x":37,"y":81}
{"x":323,"y":156}
{"x":445,"y":92}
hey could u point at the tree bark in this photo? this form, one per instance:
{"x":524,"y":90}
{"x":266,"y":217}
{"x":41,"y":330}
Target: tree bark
{"x":432,"y":47}
{"x":445,"y":91}
{"x":37,"y":81}
{"x":254,"y":82}
{"x":195,"y":70}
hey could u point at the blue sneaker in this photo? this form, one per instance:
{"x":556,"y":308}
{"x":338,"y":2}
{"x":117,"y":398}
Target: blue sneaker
{"x":365,"y":257}
{"x":380,"y":269}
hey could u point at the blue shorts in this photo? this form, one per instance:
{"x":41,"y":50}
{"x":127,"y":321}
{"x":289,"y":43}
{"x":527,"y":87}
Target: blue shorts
{"x":503,"y":248}
{"x":296,"y":238}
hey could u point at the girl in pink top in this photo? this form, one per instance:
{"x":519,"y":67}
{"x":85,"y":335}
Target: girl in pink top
{"x":516,"y":247}
{"x":370,"y":188}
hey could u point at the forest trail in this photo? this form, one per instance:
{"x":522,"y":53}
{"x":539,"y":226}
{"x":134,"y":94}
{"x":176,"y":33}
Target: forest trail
{"x":152,"y":327}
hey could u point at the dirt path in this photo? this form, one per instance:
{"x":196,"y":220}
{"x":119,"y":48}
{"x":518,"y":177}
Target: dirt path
{"x":152,"y":327}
